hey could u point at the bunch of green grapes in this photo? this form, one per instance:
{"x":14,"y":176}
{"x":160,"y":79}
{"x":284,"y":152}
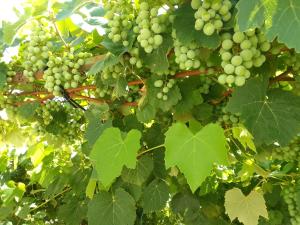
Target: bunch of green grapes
{"x":227,"y":117}
{"x":289,"y":153}
{"x":206,"y":83}
{"x":165,"y":87}
{"x":133,"y":94}
{"x":135,"y":57}
{"x":120,"y":15}
{"x":103,"y":92}
{"x":60,"y":119}
{"x":150,"y":27}
{"x":211,"y":15}
{"x":240,"y":52}
{"x":290,"y":194}
{"x":8,"y":102}
{"x":36,"y":52}
{"x":292,"y":60}
{"x":186,"y":56}
{"x":111,"y":73}
{"x":10,"y":75}
{"x":64,"y":70}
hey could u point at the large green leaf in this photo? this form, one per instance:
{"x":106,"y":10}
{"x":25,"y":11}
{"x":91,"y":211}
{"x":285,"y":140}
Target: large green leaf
{"x":112,"y":151}
{"x":281,"y":19}
{"x":271,"y":116}
{"x":155,"y":196}
{"x":140,"y":174}
{"x":73,"y":212}
{"x":195,"y":154}
{"x":112,"y":209}
{"x":246,"y":208}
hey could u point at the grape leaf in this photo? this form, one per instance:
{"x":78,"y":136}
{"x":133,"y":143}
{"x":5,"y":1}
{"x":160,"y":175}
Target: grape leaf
{"x":120,"y":88}
{"x":155,"y":196}
{"x":141,"y":173}
{"x":244,"y":137}
{"x":281,"y":19}
{"x":66,"y":10}
{"x":27,"y":111}
{"x":182,"y":202}
{"x":112,"y":209}
{"x":174,"y":95}
{"x":146,"y":113}
{"x":10,"y":29}
{"x":246,"y":208}
{"x":184,"y":24}
{"x":3,"y":71}
{"x":195,"y":154}
{"x":158,"y":61}
{"x":73,"y":212}
{"x":109,"y":60}
{"x":270,"y":116}
{"x":112,"y":151}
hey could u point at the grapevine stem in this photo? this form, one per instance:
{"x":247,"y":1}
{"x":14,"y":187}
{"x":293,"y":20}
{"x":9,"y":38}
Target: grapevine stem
{"x":149,"y":150}
{"x":46,"y":202}
{"x":57,"y":31}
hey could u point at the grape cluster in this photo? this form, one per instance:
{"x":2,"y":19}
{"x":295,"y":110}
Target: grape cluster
{"x":211,"y":15}
{"x":240,"y":52}
{"x":103,"y":91}
{"x":120,"y":16}
{"x":48,"y":121}
{"x":227,"y":117}
{"x":165,"y":88}
{"x":113,"y":72}
{"x":135,"y":57}
{"x":64,"y":70}
{"x":37,"y":51}
{"x":290,"y":195}
{"x":186,"y":56}
{"x":149,"y":27}
{"x":288,"y":153}
{"x":292,"y":60}
{"x":206,"y":83}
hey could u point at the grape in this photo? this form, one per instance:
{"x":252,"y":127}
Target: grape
{"x":227,"y":44}
{"x":210,"y":17}
{"x":240,"y":80}
{"x":229,"y":69}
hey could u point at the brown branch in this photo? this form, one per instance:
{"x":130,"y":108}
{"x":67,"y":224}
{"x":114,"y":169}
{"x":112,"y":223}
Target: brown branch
{"x":282,"y":77}
{"x":89,"y":99}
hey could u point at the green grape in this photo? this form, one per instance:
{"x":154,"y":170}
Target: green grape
{"x":210,"y":17}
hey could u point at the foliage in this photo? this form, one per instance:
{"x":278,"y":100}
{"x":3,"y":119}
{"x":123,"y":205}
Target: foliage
{"x":150,"y":112}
